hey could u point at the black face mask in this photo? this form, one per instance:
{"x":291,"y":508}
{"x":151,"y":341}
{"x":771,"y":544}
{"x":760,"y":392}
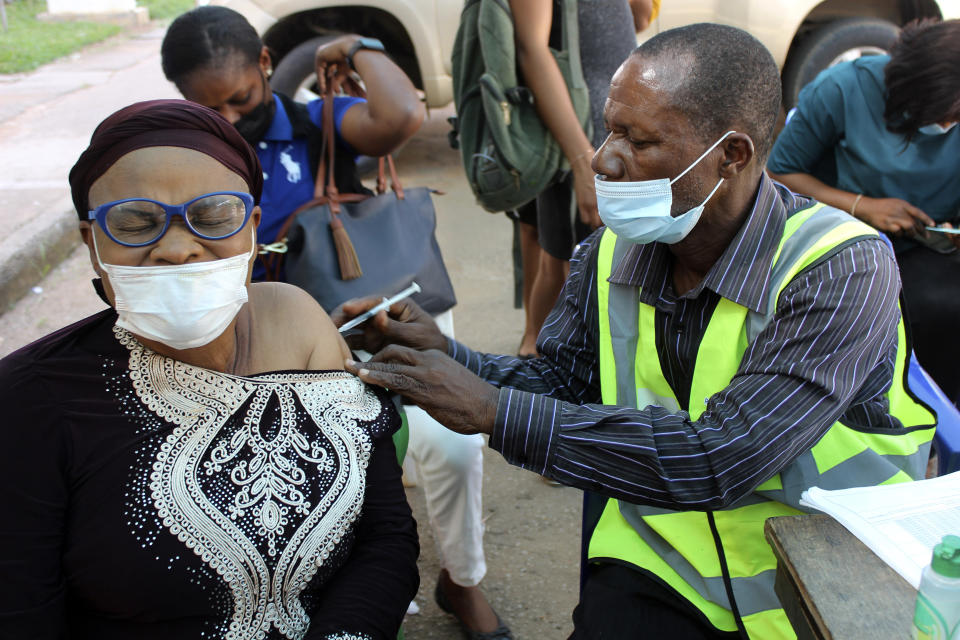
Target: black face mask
{"x":253,"y":126}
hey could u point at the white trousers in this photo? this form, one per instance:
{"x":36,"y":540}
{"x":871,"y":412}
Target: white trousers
{"x":450,"y":468}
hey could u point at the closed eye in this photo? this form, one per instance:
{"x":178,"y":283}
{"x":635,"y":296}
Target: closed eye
{"x":241,"y":101}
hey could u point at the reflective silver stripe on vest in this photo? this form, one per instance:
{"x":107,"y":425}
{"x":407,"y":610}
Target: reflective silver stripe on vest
{"x":754,"y":594}
{"x":624,"y":304}
{"x":865,"y":469}
{"x":820,"y":223}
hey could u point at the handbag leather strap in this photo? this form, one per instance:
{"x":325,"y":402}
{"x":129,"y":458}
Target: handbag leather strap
{"x":325,"y":191}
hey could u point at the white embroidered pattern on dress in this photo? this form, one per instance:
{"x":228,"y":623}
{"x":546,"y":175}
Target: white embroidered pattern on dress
{"x":347,"y":636}
{"x":240,"y":499}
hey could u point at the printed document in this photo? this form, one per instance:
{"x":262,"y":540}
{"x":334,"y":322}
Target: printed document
{"x":899,"y":522}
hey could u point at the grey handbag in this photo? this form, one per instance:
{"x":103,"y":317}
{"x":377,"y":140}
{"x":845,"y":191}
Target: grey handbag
{"x":343,"y":246}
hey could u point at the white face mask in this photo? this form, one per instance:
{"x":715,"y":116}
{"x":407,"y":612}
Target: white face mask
{"x":640,"y":211}
{"x":184,"y":305}
{"x":936,"y":129}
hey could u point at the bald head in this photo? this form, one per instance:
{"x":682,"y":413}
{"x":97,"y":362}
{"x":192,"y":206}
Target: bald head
{"x":719,"y":78}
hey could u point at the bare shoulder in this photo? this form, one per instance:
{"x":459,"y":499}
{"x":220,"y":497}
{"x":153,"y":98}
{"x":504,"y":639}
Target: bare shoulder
{"x":292,"y":325}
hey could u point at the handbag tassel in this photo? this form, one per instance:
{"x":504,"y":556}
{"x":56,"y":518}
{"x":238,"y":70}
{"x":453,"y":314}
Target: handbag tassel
{"x":346,"y":254}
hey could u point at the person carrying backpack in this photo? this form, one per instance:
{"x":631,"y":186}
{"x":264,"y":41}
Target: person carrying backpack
{"x":566,"y":53}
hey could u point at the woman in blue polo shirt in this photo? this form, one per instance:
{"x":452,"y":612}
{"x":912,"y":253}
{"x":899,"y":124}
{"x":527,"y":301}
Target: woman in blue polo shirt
{"x":877,"y":137}
{"x":215,"y":57}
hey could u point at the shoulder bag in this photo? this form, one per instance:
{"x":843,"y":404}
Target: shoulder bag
{"x":339,"y":246}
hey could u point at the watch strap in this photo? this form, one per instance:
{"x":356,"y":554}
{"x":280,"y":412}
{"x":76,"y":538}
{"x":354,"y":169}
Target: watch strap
{"x":371,"y":44}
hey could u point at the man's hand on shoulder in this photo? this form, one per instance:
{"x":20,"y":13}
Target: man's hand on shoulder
{"x":442,"y":387}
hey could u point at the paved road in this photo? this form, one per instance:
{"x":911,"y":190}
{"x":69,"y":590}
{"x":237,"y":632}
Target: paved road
{"x":532,"y":538}
{"x":46,"y":118}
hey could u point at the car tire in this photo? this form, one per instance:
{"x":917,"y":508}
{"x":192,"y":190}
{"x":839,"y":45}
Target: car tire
{"x":297,"y":69}
{"x":830,"y":44}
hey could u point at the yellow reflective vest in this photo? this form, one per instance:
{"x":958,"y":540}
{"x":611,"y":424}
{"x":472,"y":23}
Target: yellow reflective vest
{"x":711,"y":557}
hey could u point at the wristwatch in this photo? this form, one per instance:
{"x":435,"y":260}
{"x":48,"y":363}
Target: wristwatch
{"x":363,"y":43}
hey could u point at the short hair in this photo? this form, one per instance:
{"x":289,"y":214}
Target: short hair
{"x":731,"y":81}
{"x":207,"y":36}
{"x":923,"y":77}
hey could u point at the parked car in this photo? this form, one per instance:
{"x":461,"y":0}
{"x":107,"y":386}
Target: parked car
{"x":804,"y":36}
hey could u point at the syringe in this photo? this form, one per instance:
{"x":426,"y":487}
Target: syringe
{"x":386,"y":304}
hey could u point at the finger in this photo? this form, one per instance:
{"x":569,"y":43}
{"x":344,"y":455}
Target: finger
{"x":915,"y":227}
{"x":397,"y":354}
{"x":920,"y":216}
{"x":586,"y":215}
{"x":395,"y":318}
{"x":597,"y":222}
{"x":356,"y":306}
{"x":381,"y":321}
{"x":403,"y":310}
{"x":365,"y":374}
{"x":322,"y":77}
{"x":389,"y":375}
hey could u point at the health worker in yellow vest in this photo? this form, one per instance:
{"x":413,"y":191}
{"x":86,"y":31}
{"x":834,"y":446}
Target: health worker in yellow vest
{"x":720,"y":346}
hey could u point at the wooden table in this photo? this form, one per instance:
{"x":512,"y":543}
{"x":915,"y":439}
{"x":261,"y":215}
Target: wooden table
{"x":832,"y":586}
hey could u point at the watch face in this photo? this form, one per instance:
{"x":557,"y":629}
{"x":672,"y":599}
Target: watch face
{"x":371,"y":43}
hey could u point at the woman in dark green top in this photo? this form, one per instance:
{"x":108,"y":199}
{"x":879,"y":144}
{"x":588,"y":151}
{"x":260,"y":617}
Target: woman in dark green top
{"x":877,"y":137}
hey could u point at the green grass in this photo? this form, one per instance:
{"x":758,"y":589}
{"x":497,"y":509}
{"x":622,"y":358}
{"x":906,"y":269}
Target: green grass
{"x":165,"y":9}
{"x":29,"y":42}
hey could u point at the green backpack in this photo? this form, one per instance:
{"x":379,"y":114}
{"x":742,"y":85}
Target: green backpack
{"x":508,"y":153}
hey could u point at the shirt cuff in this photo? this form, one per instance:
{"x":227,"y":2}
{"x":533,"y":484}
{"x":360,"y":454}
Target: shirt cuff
{"x":462,"y":354}
{"x":523,"y":431}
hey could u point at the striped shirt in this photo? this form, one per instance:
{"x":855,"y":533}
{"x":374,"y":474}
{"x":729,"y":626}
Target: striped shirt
{"x":828,"y":354}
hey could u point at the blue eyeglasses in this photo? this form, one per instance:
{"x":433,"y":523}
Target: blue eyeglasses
{"x":137,"y":222}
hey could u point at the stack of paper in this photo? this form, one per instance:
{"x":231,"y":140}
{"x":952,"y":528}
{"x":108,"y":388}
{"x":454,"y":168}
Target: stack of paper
{"x":899,"y":522}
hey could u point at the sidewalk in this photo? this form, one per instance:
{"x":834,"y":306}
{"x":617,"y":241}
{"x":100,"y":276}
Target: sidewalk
{"x":46,"y":118}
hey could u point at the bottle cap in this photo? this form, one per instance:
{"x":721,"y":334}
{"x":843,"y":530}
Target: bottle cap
{"x":946,"y":557}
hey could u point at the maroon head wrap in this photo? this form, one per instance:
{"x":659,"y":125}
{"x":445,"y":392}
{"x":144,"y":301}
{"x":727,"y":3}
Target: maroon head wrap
{"x":163,"y":123}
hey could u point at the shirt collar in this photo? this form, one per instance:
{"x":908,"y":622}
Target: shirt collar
{"x":280,"y":128}
{"x":742,"y":274}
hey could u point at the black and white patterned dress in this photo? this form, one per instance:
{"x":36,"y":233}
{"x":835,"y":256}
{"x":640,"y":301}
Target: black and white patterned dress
{"x":147,"y":498}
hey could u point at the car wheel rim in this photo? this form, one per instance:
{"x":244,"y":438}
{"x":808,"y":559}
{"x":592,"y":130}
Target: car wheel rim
{"x":857,"y":52}
{"x":305,"y":90}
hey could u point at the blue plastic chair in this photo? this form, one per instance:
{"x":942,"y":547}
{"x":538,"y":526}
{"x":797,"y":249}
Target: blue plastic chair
{"x":946,"y":441}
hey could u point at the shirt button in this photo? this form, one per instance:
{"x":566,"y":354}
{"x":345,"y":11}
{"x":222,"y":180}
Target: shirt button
{"x":263,"y":145}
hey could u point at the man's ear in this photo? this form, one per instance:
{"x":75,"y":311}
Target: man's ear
{"x":738,"y":154}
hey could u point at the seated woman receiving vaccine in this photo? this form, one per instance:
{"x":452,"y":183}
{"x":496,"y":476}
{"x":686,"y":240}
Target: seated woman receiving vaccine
{"x":194,"y":462}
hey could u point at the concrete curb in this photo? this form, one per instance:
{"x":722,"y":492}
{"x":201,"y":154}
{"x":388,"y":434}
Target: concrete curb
{"x":37,"y":247}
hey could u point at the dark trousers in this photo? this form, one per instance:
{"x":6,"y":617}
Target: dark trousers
{"x":618,"y":603}
{"x":931,"y":288}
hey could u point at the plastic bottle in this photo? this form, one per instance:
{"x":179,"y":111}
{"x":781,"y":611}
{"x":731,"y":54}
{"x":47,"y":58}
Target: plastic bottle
{"x":937,"y":616}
